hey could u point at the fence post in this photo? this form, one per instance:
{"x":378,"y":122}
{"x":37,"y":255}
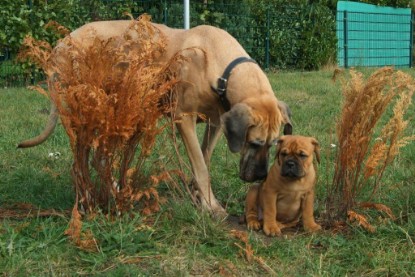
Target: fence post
{"x":186,"y":14}
{"x":267,"y":40}
{"x":411,"y":39}
{"x":345,"y":40}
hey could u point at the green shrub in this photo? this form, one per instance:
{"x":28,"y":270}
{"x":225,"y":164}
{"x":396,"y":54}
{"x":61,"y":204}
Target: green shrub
{"x":14,"y":17}
{"x":301,"y":34}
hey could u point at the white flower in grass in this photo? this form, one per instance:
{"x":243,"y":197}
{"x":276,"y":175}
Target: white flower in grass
{"x":54,"y":155}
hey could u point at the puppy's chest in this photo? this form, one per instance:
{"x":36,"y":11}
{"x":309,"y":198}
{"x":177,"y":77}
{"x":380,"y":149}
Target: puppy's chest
{"x":289,"y":204}
{"x":290,"y":198}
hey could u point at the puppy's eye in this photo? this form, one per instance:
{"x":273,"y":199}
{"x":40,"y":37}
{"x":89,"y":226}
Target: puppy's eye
{"x":283,"y":154}
{"x":303,"y":155}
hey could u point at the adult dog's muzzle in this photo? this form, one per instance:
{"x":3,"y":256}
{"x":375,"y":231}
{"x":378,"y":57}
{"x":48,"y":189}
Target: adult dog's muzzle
{"x":253,"y":165}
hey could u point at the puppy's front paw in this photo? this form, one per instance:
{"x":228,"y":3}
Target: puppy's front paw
{"x":254,"y":224}
{"x":272,"y":230}
{"x":312,"y":227}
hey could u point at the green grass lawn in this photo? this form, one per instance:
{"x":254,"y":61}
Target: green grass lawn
{"x":180,"y":240}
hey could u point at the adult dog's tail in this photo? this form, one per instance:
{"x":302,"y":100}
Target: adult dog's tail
{"x":47,"y":131}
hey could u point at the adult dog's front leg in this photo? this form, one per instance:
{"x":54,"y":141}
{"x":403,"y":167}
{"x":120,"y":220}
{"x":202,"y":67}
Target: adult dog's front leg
{"x":211,"y":137}
{"x":187,"y":129}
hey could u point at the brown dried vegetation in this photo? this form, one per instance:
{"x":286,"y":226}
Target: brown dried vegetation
{"x":363,"y":155}
{"x":110,"y":97}
{"x":247,"y":251}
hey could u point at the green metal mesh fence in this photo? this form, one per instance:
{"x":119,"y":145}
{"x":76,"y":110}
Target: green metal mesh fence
{"x":373,"y":36}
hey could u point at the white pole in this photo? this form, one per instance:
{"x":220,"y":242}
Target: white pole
{"x":186,"y":14}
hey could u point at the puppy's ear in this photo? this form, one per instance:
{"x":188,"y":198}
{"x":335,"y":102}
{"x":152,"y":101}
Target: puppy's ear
{"x":316,"y":149}
{"x":286,"y":117}
{"x":235,"y":126}
{"x":279,"y":145}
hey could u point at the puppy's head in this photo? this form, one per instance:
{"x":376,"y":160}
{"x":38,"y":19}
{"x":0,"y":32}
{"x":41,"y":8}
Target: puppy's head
{"x":251,"y":128}
{"x":295,"y":155}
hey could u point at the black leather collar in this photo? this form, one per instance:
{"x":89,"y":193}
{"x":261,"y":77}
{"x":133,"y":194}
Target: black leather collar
{"x":223,"y":81}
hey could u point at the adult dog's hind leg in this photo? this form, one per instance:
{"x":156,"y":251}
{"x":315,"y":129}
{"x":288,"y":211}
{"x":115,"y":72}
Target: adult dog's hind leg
{"x":187,"y":129}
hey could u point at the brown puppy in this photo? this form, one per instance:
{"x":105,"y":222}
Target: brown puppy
{"x":288,"y":192}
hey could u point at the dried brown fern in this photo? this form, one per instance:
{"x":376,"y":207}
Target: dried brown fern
{"x":379,"y":207}
{"x":248,"y":252}
{"x":360,"y":220}
{"x":110,"y":97}
{"x":59,"y":29}
{"x":83,"y":240}
{"x":363,"y":156}
{"x":37,"y":52}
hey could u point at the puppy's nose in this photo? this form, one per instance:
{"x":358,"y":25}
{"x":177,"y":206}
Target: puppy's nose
{"x":290,"y":164}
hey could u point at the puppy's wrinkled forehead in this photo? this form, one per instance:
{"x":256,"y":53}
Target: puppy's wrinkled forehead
{"x":267,"y":119}
{"x":292,"y":145}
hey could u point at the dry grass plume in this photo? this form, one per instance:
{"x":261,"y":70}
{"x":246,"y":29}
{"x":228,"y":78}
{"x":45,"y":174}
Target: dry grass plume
{"x":364,"y":153}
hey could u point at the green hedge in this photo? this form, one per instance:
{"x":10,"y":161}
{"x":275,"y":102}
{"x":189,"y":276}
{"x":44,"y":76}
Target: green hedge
{"x":22,"y":17}
{"x":301,"y":34}
{"x":296,"y":34}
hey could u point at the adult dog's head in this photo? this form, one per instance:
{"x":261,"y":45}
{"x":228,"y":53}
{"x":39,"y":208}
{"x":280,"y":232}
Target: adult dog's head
{"x":251,"y":128}
{"x":295,"y":155}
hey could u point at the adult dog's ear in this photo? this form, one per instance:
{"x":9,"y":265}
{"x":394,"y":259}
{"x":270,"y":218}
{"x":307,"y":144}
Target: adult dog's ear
{"x":316,"y":148}
{"x":235,"y":126}
{"x":286,"y":117}
{"x":279,"y":144}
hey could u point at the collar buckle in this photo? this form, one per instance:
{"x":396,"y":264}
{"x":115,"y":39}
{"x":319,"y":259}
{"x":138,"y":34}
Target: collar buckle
{"x":222,"y":84}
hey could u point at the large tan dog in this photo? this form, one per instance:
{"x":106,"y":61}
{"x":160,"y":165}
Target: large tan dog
{"x":250,"y":114}
{"x":288,"y":192}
